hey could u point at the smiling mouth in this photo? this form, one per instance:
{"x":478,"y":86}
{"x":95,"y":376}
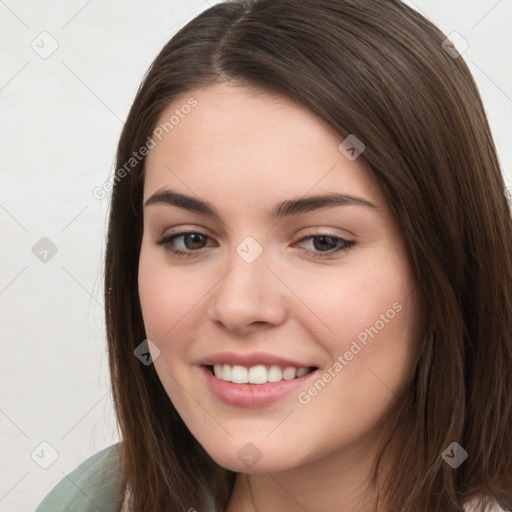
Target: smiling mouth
{"x":258,"y":374}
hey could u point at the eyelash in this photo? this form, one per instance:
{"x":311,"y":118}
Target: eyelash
{"x":165,"y":241}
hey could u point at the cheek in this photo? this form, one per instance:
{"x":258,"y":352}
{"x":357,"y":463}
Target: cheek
{"x":368,"y":329}
{"x":340,"y":305}
{"x":154,"y":300}
{"x":167,"y":297}
{"x":353,"y":393}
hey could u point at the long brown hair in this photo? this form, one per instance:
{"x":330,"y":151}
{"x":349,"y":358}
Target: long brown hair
{"x":376,"y":69}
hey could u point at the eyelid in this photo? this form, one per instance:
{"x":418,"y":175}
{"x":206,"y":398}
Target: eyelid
{"x":326,"y":231}
{"x":185,"y":231}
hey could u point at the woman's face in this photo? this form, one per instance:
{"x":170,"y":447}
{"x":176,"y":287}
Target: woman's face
{"x":272,"y":283}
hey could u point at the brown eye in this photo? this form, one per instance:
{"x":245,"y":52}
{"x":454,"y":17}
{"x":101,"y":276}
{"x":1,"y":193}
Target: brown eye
{"x":326,"y":245}
{"x":192,"y":242}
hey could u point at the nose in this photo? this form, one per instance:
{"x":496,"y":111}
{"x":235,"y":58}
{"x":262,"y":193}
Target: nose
{"x":248,"y":297}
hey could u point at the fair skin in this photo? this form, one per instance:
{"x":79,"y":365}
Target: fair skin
{"x":243,"y":154}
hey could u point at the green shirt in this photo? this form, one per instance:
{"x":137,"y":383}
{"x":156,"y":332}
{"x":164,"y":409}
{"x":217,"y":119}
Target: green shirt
{"x":92,"y":486}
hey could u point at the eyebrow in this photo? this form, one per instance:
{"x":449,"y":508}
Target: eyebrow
{"x":287,"y":208}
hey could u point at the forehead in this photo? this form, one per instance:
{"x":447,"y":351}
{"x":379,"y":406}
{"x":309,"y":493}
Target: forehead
{"x":250,"y":146}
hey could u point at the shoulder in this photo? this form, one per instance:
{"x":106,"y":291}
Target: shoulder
{"x":92,"y":486}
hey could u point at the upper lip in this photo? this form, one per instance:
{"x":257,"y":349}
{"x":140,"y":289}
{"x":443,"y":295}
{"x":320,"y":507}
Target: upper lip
{"x":250,"y":359}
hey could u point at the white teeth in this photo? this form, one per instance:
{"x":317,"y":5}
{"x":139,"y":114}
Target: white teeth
{"x":259,"y":374}
{"x":302,"y":371}
{"x":239,"y":374}
{"x":289,"y":373}
{"x":217,"y":369}
{"x":226,"y":372}
{"x":274,"y":374}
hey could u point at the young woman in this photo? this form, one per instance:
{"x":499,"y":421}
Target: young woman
{"x":308,"y":273}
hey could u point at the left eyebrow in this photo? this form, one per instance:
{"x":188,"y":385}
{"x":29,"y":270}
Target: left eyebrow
{"x":287,"y":208}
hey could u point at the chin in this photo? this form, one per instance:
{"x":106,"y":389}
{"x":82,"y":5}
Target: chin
{"x":254,"y":457}
{"x":260,"y":466}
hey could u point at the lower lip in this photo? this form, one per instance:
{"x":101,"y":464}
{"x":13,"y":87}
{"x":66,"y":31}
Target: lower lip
{"x":252,"y":395}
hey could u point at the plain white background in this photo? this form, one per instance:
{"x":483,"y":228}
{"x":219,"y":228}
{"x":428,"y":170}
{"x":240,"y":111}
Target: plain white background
{"x":61,"y":116}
